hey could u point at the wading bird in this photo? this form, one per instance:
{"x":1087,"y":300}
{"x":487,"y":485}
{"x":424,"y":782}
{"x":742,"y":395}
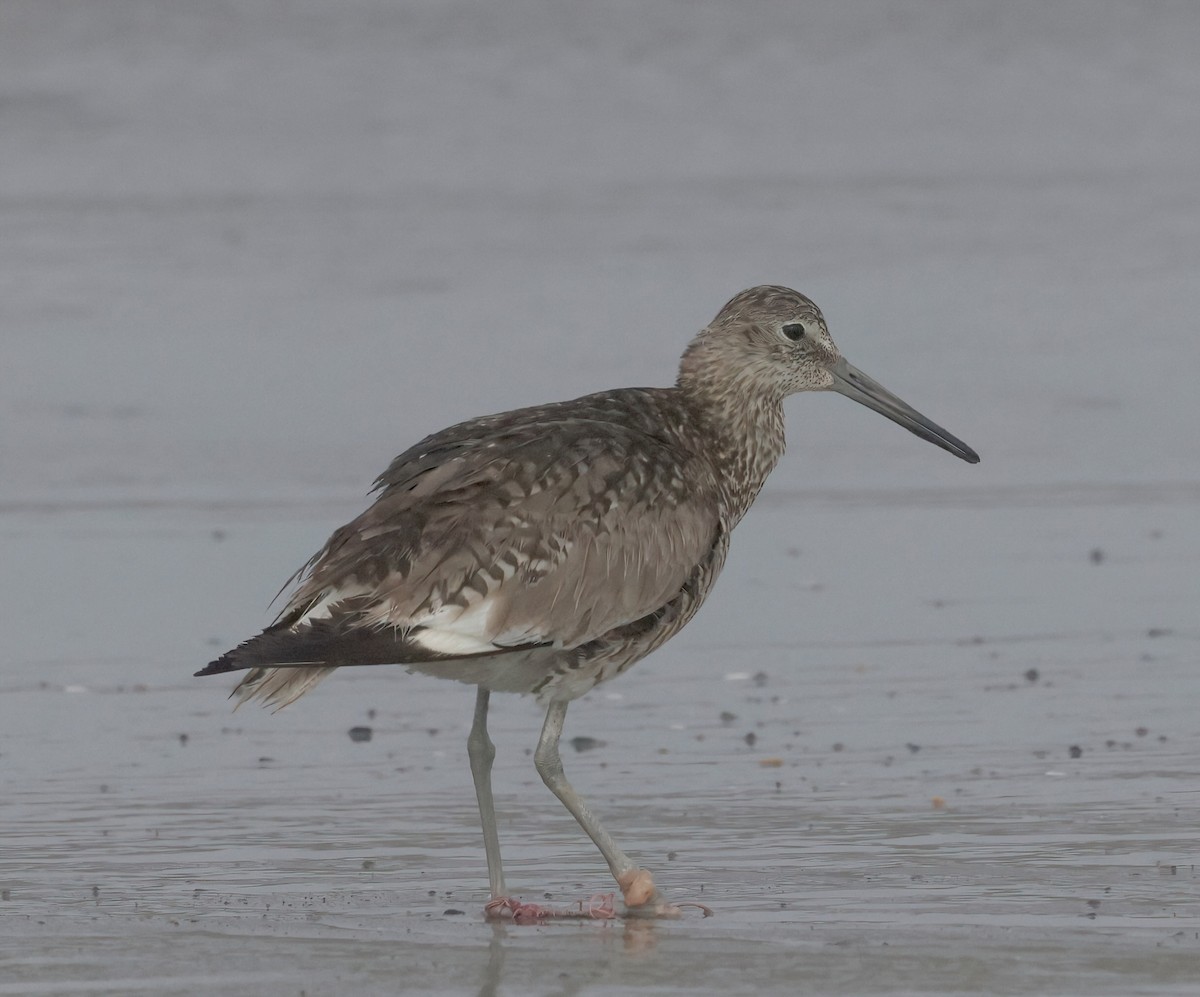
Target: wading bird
{"x":548,"y":549}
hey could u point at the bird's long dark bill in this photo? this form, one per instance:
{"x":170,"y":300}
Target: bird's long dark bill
{"x":853,"y":383}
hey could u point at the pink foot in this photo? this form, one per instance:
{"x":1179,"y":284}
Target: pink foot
{"x":598,"y":907}
{"x":642,"y":898}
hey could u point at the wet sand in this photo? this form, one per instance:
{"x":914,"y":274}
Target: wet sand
{"x":931,"y":808}
{"x":934,"y":732}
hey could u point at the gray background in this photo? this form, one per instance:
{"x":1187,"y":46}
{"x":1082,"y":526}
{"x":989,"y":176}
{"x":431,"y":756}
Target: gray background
{"x":248,"y":252}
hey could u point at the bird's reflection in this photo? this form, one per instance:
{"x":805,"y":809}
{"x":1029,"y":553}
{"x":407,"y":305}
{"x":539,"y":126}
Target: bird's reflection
{"x":494,"y":971}
{"x":636,"y":936}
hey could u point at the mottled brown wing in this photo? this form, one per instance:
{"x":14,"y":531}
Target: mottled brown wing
{"x":519,"y":529}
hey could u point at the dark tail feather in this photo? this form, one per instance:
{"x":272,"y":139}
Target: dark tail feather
{"x":331,"y":644}
{"x":317,"y":644}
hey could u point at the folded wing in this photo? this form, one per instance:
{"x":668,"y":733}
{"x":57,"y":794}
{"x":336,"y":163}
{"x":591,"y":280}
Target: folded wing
{"x":516,"y":531}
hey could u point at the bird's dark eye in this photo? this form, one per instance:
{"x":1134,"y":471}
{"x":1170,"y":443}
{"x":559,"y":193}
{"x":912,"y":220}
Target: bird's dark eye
{"x":794,"y":332}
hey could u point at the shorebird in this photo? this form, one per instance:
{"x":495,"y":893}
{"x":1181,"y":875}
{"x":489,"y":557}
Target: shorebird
{"x":547,"y":549}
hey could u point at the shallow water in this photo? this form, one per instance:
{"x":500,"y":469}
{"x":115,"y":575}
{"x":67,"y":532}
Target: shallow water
{"x":935,"y":730}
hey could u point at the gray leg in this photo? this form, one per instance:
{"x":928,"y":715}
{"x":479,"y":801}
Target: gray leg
{"x":636,"y":884}
{"x":481,"y":751}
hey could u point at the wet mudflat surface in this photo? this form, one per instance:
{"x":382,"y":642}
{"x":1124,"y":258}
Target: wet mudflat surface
{"x":935,"y":731}
{"x":931,"y":808}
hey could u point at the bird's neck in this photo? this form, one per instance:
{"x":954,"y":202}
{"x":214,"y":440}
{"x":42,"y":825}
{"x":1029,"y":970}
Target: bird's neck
{"x":745,"y":429}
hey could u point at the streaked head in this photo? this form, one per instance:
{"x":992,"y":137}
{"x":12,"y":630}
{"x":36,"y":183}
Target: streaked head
{"x":772,"y":341}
